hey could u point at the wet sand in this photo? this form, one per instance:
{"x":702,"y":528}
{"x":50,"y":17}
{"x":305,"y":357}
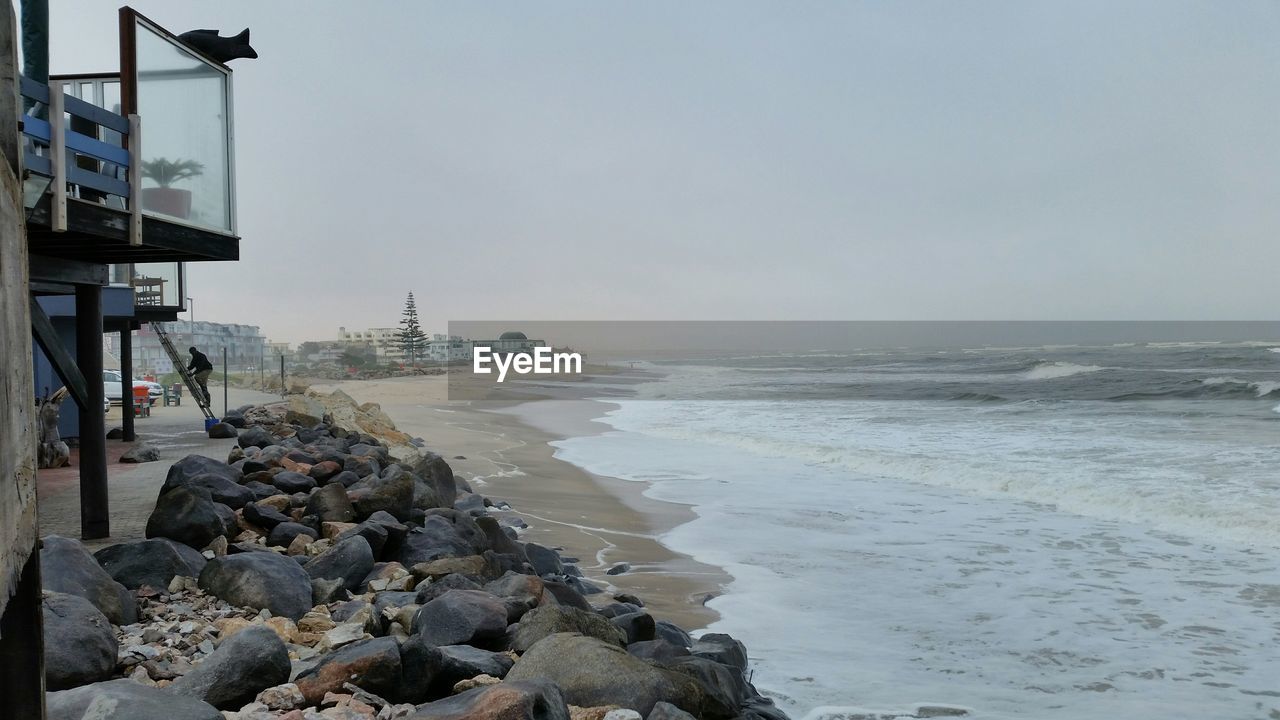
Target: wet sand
{"x":501,"y":448}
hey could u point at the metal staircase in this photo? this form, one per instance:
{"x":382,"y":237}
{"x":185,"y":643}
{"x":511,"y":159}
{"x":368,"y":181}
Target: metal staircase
{"x":181,"y":366}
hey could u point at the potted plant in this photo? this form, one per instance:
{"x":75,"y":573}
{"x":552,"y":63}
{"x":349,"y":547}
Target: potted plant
{"x":166,"y":199}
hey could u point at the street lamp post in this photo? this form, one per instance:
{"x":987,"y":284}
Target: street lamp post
{"x":191,"y":308}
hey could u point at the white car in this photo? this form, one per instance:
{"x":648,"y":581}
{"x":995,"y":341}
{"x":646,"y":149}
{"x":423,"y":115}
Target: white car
{"x":111,"y":380}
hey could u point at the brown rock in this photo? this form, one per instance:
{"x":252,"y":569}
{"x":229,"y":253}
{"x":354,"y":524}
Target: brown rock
{"x":473,"y":565}
{"x":331,"y":530}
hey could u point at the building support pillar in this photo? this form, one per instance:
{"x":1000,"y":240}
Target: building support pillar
{"x":22,"y":647}
{"x":126,"y":380}
{"x":95,"y":521}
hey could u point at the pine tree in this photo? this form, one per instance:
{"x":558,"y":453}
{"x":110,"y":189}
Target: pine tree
{"x":411,"y":340}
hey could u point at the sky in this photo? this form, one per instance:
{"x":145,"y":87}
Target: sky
{"x":738,"y":160}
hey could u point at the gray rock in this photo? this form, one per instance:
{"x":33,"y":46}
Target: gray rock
{"x":392,"y":494}
{"x":436,"y":588}
{"x":373,"y":533}
{"x":193,"y":466}
{"x":79,"y":643}
{"x":221,"y":488}
{"x":283,"y":534}
{"x":722,"y":649}
{"x":349,"y":561}
{"x":66,"y":567}
{"x":126,"y":700}
{"x":259,"y":580}
{"x":141,"y":453}
{"x":638,"y":626}
{"x":672,"y":633}
{"x":153,"y":562}
{"x":551,"y":619}
{"x":264,"y":516}
{"x":725,"y":685}
{"x":255,"y":437}
{"x":435,"y":471}
{"x":223,"y":430}
{"x":293,"y":482}
{"x":462,"y":617}
{"x":330,"y":504}
{"x":438,"y":537}
{"x":619,"y":569}
{"x":591,"y":672}
{"x":533,"y":699}
{"x":462,"y":662}
{"x":247,"y":663}
{"x":188,"y":515}
{"x":545,"y":561}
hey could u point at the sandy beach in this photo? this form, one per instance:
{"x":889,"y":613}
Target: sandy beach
{"x":502,"y":450}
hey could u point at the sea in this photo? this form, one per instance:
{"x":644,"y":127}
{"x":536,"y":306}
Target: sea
{"x":1048,"y":531}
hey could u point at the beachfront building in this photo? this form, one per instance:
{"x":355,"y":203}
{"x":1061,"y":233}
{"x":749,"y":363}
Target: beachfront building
{"x":384,"y":341}
{"x":445,"y":349}
{"x":245,"y":346}
{"x":109,"y":223}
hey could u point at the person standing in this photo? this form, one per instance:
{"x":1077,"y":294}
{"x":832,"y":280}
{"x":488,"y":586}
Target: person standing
{"x":200,"y":368}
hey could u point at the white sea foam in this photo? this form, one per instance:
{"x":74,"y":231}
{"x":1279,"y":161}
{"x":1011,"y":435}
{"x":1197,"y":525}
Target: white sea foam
{"x":1055,"y":370}
{"x":1261,"y":388}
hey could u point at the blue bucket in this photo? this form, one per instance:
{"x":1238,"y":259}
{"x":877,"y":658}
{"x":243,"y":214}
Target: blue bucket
{"x":209,"y":422}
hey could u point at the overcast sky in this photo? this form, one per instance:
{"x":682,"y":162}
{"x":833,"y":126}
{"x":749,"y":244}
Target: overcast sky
{"x":738,"y":160}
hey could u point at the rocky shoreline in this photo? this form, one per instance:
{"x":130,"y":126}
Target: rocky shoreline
{"x":334,"y":568}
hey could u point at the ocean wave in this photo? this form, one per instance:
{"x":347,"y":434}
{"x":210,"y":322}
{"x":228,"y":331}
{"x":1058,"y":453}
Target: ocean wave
{"x":1054,"y":369}
{"x":1260,"y":388}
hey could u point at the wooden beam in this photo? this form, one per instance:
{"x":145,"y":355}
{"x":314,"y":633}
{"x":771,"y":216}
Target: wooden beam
{"x":63,"y":364}
{"x":58,"y":158}
{"x":62,"y":270}
{"x":96,"y":233}
{"x":126,"y":382}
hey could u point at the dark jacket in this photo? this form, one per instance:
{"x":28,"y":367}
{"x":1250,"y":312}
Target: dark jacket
{"x":199,"y":362}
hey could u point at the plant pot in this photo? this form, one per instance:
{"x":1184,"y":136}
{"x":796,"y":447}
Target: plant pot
{"x":174,"y":202}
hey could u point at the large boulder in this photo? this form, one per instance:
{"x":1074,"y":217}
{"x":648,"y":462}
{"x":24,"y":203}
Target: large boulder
{"x":79,"y":643}
{"x":349,"y":561}
{"x":221,"y":480}
{"x":245,"y":664}
{"x":444,"y":533}
{"x":153,"y":562}
{"x":434,"y":470}
{"x":259,"y":580}
{"x":255,"y":437}
{"x":462,"y":617}
{"x":264,"y":516}
{"x":592,"y":672}
{"x":528,"y":700}
{"x":372,"y":665}
{"x":66,"y":567}
{"x":304,"y":410}
{"x":125,"y":700}
{"x":391,"y":492}
{"x":330,"y":504}
{"x":188,"y":515}
{"x":721,"y":648}
{"x":545,"y":561}
{"x":551,"y":619}
{"x":193,"y":466}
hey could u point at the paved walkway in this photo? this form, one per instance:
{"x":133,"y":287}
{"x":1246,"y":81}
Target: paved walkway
{"x":177,"y":431}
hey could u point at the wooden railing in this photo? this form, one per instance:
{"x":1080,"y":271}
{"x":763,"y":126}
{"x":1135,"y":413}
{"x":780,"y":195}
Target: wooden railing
{"x":83,"y":162}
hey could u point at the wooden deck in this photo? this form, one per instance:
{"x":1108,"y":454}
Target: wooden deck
{"x":99,"y":234}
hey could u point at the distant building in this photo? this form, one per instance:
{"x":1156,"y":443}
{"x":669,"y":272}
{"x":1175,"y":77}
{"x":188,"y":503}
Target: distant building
{"x":246,"y":347}
{"x":448,"y":349}
{"x":384,"y":342}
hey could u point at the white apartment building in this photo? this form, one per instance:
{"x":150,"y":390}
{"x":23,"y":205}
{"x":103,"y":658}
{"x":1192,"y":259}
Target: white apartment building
{"x":245,"y":346}
{"x":382,"y":340}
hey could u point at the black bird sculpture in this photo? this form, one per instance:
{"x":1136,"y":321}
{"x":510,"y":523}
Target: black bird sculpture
{"x":222,"y":49}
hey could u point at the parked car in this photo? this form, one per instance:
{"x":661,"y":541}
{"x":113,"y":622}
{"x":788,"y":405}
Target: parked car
{"x":111,"y":386}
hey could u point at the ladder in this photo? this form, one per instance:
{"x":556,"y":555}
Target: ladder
{"x":181,"y":367}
